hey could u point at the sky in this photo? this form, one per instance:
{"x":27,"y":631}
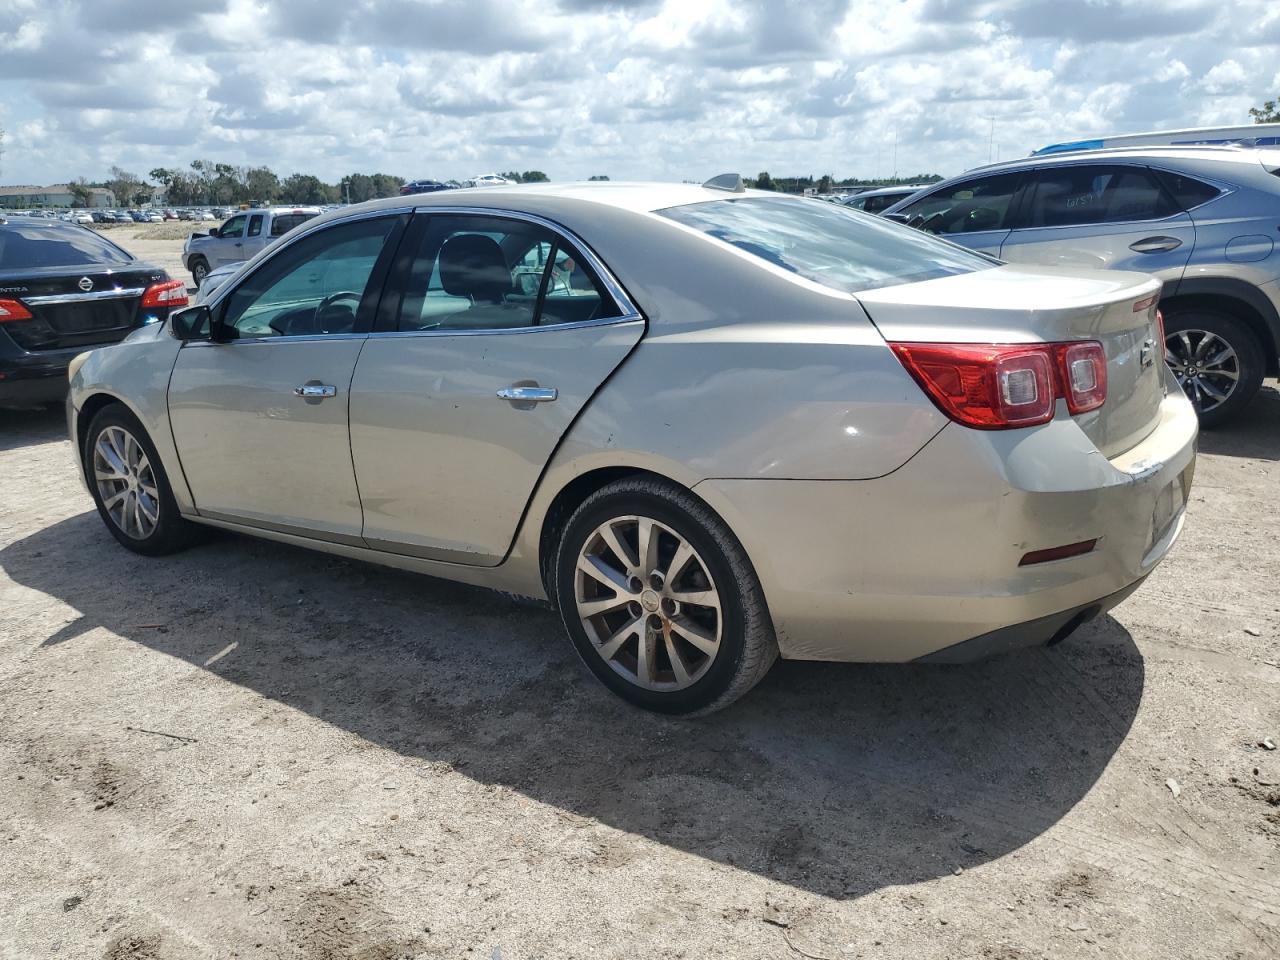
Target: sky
{"x":631,"y":89}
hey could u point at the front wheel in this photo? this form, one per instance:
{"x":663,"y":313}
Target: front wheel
{"x":660,"y":599}
{"x":129,"y":486}
{"x":1217,"y":359}
{"x":199,"y":270}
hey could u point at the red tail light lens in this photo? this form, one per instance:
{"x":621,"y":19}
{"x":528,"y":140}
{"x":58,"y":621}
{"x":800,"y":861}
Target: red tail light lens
{"x":11,"y":310}
{"x":988,"y":386}
{"x":171,"y":293}
{"x":1001,"y":386}
{"x":1083,"y":370}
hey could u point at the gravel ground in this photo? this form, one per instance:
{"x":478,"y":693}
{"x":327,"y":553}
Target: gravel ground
{"x":249,"y":750}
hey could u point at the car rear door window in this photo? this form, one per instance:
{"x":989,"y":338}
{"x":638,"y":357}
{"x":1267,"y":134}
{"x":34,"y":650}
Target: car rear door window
{"x":1187,"y":191}
{"x":315,"y":287}
{"x":284,"y":222}
{"x":1091,"y":193}
{"x":968,"y":207}
{"x":255,"y":225}
{"x":475,"y":272}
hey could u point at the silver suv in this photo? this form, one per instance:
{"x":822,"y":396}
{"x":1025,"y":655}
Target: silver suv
{"x":1204,"y":220}
{"x":240,"y":237}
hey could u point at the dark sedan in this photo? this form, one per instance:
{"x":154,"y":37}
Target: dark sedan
{"x":65,"y":289}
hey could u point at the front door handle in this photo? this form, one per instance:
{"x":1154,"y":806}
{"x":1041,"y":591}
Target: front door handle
{"x":528,"y":394}
{"x":1155,"y":245}
{"x":315,"y":391}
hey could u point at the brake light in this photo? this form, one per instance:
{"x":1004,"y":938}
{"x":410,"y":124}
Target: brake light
{"x":11,"y":310}
{"x":170,"y":293}
{"x":1003,"y":386}
{"x":1083,"y":371}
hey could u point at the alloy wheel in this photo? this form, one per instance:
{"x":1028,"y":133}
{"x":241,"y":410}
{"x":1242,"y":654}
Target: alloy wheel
{"x":125,"y":482}
{"x":1206,"y":366}
{"x":648,"y":603}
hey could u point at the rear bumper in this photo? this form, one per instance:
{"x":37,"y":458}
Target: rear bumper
{"x":905,"y":566}
{"x":27,"y":377}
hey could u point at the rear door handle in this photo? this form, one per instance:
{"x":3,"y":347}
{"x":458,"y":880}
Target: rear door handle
{"x":315,"y":391}
{"x":1155,"y":245}
{"x":528,"y":394}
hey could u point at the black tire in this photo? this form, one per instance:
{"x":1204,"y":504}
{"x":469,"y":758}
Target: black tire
{"x":171,"y":532}
{"x":747,"y":645}
{"x":199,"y":270}
{"x":1187,"y":328}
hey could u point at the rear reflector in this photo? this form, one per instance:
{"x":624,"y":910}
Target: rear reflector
{"x":1058,"y":553}
{"x":171,"y":293}
{"x":11,"y":310}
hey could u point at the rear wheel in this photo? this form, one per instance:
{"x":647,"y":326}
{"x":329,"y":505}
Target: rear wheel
{"x":130,"y":488}
{"x":660,"y":599}
{"x":199,"y":270}
{"x":1217,"y":360}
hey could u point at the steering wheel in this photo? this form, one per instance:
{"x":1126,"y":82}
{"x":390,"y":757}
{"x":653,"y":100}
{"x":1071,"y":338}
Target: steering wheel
{"x":331,"y":301}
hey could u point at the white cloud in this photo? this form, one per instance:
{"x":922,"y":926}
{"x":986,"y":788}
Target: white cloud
{"x":655,"y":88}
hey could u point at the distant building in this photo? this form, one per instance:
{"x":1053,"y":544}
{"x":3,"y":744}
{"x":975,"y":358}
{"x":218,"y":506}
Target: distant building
{"x":54,"y":195}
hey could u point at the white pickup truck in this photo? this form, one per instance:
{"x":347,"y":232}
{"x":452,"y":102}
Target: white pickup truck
{"x":240,"y":237}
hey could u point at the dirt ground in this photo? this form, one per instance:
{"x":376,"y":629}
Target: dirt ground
{"x":249,"y":750}
{"x":158,"y":243}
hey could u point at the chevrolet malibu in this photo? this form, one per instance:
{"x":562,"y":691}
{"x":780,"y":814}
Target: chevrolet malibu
{"x":712,"y":426}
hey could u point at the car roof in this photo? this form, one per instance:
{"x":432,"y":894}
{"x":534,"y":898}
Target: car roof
{"x":1224,"y":154}
{"x":637,"y":197}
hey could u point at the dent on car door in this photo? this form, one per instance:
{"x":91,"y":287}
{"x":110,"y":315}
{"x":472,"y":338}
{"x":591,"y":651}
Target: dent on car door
{"x":1106,"y":216}
{"x":501,"y":332}
{"x":974,"y":213}
{"x":260,"y":419}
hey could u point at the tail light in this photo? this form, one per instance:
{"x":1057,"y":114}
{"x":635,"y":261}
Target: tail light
{"x":11,"y":310}
{"x":170,"y":293}
{"x":1000,"y":386}
{"x":1160,"y":329}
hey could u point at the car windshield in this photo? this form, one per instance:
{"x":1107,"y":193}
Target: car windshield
{"x":30,"y":245}
{"x":828,"y":243}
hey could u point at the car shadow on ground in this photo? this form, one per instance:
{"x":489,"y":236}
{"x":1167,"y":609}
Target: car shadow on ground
{"x":1254,"y":432}
{"x":836,"y":779}
{"x":27,"y":426}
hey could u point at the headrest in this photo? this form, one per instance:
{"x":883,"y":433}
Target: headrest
{"x":472,"y":265}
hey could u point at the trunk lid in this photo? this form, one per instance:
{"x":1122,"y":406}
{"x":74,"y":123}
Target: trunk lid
{"x":1011,"y":304}
{"x":73,"y":307}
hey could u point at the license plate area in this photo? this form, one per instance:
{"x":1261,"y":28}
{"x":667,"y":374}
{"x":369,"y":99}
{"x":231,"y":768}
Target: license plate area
{"x":1170,"y":502}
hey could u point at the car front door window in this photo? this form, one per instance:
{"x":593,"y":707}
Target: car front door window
{"x":317,"y":286}
{"x":969,"y":207}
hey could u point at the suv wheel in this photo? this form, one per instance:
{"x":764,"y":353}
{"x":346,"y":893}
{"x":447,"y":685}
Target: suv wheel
{"x":660,"y":599}
{"x":199,"y":270}
{"x":1217,"y":360}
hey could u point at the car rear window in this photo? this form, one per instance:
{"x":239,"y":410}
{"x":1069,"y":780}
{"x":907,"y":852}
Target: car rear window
{"x":284,"y":222}
{"x":828,"y":243}
{"x":26,"y":246}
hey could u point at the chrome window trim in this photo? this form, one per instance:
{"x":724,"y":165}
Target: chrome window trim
{"x":256,"y":341}
{"x":629,"y":311}
{"x":116,"y":294}
{"x":503,"y":331}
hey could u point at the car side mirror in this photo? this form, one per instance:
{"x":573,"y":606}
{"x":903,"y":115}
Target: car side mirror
{"x":902,"y":218}
{"x":213,"y":231}
{"x":193,"y":323}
